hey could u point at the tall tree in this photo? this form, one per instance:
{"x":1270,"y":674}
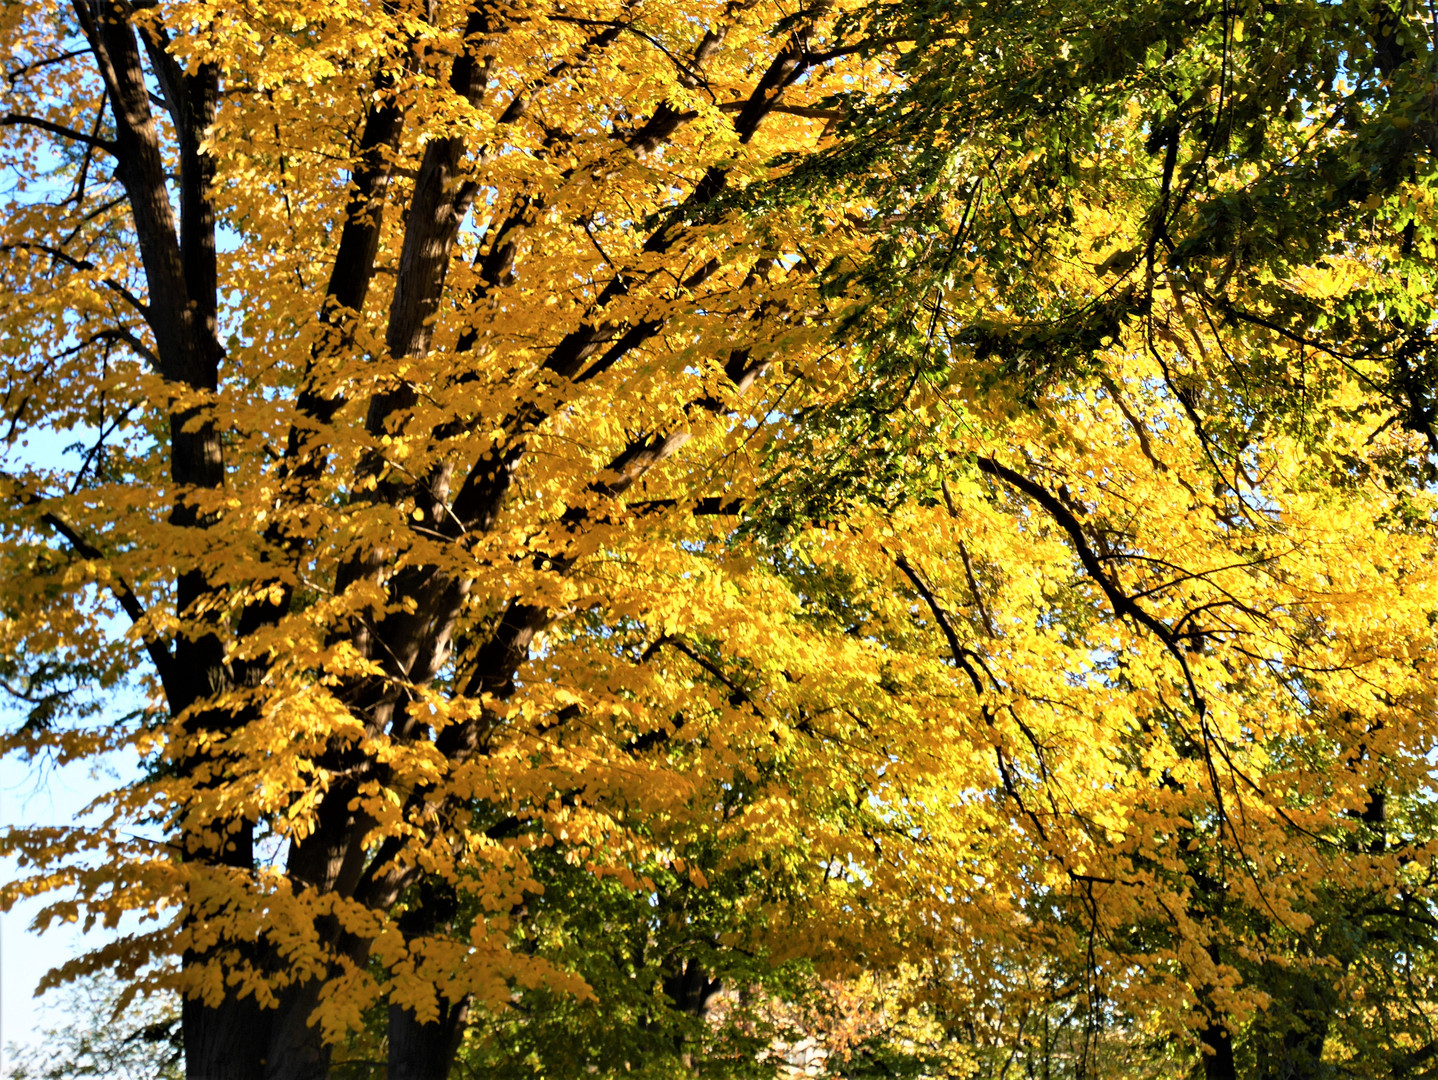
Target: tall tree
{"x":418,"y":351}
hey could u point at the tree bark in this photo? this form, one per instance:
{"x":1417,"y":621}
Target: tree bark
{"x":292,"y":1048}
{"x":224,"y":1042}
{"x":1217,"y":1050}
{"x":424,"y":1051}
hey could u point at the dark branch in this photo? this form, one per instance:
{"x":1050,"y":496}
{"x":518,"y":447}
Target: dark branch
{"x":119,"y":587}
{"x":20,"y":119}
{"x":80,"y":264}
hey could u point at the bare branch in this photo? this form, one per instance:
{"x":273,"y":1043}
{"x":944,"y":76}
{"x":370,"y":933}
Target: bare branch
{"x":20,"y":72}
{"x":807,"y":111}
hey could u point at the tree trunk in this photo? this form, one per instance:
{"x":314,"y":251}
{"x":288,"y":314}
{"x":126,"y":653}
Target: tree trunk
{"x":688,"y":985}
{"x":1292,"y":1033}
{"x":225,"y":1042}
{"x":296,"y":1050}
{"x":1218,"y":1063}
{"x":425,"y":1051}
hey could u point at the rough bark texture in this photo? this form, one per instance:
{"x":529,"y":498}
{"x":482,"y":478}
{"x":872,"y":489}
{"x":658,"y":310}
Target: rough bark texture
{"x":424,"y":1051}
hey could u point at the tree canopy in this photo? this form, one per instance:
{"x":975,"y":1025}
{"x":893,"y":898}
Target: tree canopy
{"x":655,"y":534}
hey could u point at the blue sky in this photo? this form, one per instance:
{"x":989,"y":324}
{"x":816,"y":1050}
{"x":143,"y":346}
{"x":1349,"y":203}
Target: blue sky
{"x":39,"y":793}
{"x":36,"y":795}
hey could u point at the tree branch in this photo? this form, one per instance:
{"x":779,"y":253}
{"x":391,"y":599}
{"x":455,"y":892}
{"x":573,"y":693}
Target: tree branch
{"x":80,"y":264}
{"x":118,"y":586}
{"x":21,"y":119}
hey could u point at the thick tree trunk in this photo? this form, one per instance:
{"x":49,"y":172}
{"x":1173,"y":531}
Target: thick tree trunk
{"x":294,"y":1048}
{"x":225,"y":1042}
{"x":692,"y":990}
{"x":1290,"y":1036}
{"x":425,"y":1051}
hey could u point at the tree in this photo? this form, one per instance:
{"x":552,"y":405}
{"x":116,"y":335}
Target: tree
{"x":91,"y":1040}
{"x":419,"y":355}
{"x":1161,"y":296}
{"x":965,"y":468}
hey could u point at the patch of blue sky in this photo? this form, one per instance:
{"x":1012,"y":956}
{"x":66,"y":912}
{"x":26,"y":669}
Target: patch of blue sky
{"x":42,"y":793}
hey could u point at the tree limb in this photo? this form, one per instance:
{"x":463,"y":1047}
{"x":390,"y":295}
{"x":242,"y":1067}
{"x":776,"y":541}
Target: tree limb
{"x":118,"y":586}
{"x":80,"y":264}
{"x":21,"y":119}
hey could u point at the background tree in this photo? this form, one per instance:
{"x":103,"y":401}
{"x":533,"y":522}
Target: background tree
{"x":87,"y":1040}
{"x":1159,"y":292}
